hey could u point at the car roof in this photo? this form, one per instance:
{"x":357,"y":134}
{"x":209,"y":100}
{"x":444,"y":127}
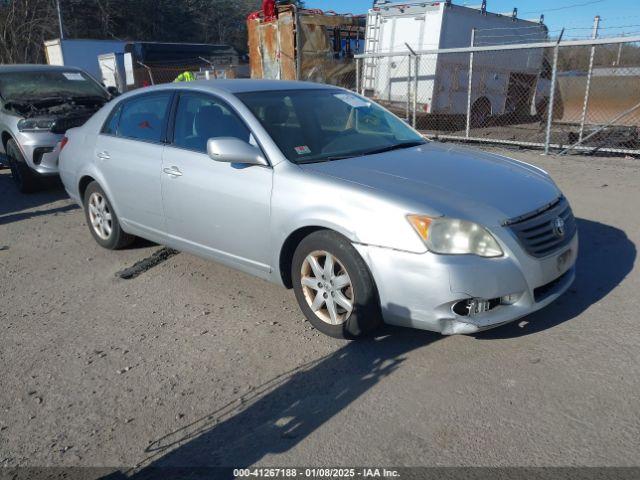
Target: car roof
{"x":242,"y":85}
{"x":36,"y":68}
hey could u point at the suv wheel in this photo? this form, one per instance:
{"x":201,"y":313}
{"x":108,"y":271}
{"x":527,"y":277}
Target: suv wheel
{"x":25,"y":179}
{"x":334,"y":287}
{"x":102,"y":220}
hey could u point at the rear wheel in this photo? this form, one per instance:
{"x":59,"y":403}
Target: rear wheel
{"x":334,"y":287}
{"x":25,"y":179}
{"x":102,"y":220}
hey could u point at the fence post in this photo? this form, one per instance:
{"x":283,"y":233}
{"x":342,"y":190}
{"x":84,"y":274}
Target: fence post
{"x":415,"y":89}
{"x":408,"y":106}
{"x":412,"y":55}
{"x":358,"y":75}
{"x":552,"y":95}
{"x":148,"y":69}
{"x":470,"y":86}
{"x":585,"y":106}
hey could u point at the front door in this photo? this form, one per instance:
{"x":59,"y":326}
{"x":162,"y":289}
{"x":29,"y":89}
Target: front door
{"x":216,"y":209}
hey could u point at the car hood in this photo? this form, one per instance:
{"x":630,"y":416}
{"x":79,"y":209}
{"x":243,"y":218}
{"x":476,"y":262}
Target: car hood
{"x":448,"y":180}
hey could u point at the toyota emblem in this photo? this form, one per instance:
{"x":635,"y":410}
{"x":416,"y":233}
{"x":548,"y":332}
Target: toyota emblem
{"x":558,"y":227}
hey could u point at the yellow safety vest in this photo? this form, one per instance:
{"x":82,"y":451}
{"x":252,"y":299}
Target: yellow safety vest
{"x":185,"y":77}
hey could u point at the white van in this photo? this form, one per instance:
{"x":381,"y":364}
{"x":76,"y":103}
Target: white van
{"x":503,"y":82}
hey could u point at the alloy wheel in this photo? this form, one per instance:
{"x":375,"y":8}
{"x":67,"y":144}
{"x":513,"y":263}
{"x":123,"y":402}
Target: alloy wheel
{"x":100,"y":216}
{"x":327,"y":287}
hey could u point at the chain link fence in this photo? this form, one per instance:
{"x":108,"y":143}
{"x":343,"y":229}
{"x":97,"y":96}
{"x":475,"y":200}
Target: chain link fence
{"x":573,"y":95}
{"x":147,"y":75}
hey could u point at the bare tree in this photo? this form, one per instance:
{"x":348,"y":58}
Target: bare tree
{"x":24,"y":24}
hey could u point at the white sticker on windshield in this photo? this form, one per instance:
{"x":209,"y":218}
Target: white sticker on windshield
{"x":352,"y":100}
{"x":74,"y":76}
{"x":302,"y":150}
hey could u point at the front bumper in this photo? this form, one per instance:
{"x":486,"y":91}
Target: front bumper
{"x":28,"y":142}
{"x":419,"y":290}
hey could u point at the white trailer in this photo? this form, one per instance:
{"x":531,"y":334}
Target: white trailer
{"x":81,"y":53}
{"x":114,"y":72}
{"x":502,"y":81}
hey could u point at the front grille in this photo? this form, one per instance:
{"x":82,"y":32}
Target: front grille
{"x":537,"y":232}
{"x":39,"y":152}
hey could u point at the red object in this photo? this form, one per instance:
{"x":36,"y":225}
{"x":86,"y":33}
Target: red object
{"x":63,"y":142}
{"x":269,"y":9}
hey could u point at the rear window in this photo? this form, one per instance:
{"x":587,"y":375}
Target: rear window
{"x":142,"y":118}
{"x":111,"y":125}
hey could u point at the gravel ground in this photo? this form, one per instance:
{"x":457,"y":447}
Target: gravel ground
{"x":191,"y":363}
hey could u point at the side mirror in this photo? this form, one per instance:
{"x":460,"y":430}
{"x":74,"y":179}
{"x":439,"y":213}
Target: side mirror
{"x":234,"y":150}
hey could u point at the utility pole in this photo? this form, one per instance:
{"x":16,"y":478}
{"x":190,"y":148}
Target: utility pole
{"x":60,"y":19}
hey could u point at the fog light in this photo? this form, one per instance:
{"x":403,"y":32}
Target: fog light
{"x":510,"y":299}
{"x":474,"y":306}
{"x":39,"y":152}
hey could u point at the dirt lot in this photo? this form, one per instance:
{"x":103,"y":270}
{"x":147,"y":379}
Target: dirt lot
{"x":194,"y":364}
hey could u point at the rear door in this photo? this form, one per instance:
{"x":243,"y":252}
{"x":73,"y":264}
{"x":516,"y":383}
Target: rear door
{"x":129,"y":155}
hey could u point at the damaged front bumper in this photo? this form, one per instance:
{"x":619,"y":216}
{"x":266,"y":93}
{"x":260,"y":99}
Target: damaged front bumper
{"x":454,"y":294}
{"x":40,"y":150}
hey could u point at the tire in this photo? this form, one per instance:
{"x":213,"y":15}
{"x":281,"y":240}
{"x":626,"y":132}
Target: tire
{"x":25,"y":179}
{"x":350,"y":281}
{"x":102,"y":220}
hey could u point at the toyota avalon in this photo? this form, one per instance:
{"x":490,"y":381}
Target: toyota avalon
{"x":325,"y":192}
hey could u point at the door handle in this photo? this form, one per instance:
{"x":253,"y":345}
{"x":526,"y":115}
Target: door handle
{"x":103,"y":155}
{"x":172,"y":171}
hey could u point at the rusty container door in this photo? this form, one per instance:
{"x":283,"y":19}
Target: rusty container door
{"x":272,"y":48}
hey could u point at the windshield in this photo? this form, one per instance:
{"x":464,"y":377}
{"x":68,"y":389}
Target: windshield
{"x":34,"y":85}
{"x":322,"y":125}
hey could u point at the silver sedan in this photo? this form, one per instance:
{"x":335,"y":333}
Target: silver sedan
{"x":323,"y":191}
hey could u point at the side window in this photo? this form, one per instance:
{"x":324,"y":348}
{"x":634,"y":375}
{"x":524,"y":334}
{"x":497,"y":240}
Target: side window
{"x":143,"y":118}
{"x":199,"y":118}
{"x":110,"y":127}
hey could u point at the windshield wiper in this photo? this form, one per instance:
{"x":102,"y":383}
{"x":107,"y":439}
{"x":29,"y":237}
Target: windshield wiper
{"x":56,"y":100}
{"x":396,"y":146}
{"x":387,"y":148}
{"x":88,"y":98}
{"x":37,"y":101}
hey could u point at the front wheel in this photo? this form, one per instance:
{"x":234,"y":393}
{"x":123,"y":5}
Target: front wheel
{"x":102,"y":220}
{"x":25,"y":179}
{"x":334,"y":287}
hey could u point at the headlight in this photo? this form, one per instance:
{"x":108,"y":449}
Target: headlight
{"x":451,"y":236}
{"x":35,"y":124}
